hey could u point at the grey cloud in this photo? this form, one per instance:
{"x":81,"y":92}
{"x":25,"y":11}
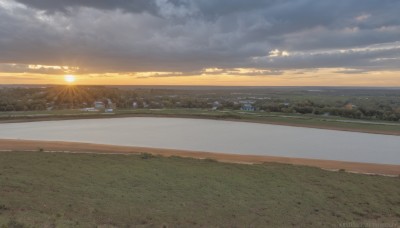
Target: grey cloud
{"x":352,"y":71}
{"x":188,"y":36}
{"x":169,"y":74}
{"x":136,"y":6}
{"x":233,"y":71}
{"x":24,"y":68}
{"x":19,"y":78}
{"x":366,"y":59}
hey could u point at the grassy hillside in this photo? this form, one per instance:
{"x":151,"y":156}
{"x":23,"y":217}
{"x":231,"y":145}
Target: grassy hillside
{"x":46,"y":189}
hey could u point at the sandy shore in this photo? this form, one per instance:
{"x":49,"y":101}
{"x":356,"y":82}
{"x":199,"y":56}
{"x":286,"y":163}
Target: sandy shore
{"x":28,"y":145}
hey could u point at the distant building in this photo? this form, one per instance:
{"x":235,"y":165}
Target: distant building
{"x":248,"y":107}
{"x":247,"y":102}
{"x":99,"y":105}
{"x":89,"y":110}
{"x":215,"y":105}
{"x":349,"y":106}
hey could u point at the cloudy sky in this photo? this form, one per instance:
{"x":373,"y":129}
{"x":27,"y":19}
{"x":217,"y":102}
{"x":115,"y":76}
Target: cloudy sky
{"x":201,"y":42}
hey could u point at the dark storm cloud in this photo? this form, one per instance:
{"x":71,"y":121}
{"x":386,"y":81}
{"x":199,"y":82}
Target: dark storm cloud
{"x":188,"y":36}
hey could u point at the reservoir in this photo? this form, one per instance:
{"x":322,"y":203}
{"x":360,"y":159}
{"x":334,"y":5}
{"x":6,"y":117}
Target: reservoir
{"x":215,"y":136}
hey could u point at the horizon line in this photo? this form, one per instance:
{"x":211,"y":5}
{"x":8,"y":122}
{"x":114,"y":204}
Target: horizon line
{"x":255,"y":86}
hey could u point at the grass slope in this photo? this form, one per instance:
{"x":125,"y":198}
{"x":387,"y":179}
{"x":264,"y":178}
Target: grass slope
{"x":88,"y":190}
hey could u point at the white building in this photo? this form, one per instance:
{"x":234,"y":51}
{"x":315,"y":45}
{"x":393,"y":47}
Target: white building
{"x":99,"y":105}
{"x":248,"y":107}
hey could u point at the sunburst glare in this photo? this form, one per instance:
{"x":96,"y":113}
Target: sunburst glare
{"x":69,"y":78}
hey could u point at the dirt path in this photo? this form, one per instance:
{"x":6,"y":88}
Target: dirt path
{"x":27,"y":145}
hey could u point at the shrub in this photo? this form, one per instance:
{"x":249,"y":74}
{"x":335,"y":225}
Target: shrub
{"x":210,"y":160}
{"x":146,"y":156}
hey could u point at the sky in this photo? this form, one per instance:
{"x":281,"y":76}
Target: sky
{"x":201,"y":42}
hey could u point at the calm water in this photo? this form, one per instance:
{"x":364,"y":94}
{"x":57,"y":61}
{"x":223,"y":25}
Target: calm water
{"x":215,"y":136}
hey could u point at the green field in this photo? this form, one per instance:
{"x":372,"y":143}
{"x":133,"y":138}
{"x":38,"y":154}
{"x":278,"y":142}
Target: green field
{"x":40,"y":189}
{"x":316,"y":121}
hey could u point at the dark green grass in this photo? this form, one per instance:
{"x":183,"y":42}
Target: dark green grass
{"x":87,"y":190}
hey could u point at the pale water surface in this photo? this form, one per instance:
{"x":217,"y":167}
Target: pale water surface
{"x":215,"y":136}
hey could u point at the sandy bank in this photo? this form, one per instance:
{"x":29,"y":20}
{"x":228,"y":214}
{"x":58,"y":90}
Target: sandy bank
{"x":28,"y":145}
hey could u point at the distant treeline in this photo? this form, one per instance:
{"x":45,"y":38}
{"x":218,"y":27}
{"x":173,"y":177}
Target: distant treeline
{"x":357,"y":104}
{"x":347,"y":110}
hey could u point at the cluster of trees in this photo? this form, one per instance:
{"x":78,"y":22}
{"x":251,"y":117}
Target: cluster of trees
{"x":21,"y":99}
{"x":61,"y":97}
{"x":382,"y":107}
{"x":346,"y":109}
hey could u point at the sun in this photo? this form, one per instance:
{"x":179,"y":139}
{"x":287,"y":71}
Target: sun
{"x":69,"y":78}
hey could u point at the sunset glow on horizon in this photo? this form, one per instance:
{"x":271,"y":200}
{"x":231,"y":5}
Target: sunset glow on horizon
{"x":321,"y":77}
